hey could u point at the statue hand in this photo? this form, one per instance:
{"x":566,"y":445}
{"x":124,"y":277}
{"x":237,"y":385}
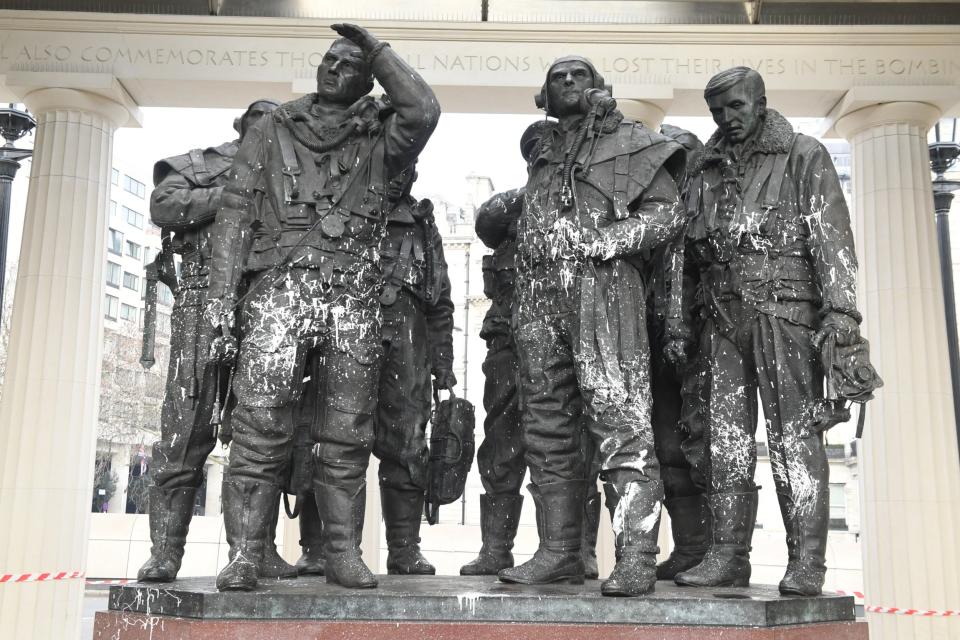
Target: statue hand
{"x":356,"y":34}
{"x":843,"y":327}
{"x":444,"y":380}
{"x":675,"y":352}
{"x":224,"y":349}
{"x":217,"y":314}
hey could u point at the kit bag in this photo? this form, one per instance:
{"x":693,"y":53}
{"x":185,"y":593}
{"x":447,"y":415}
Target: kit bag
{"x":452,"y":446}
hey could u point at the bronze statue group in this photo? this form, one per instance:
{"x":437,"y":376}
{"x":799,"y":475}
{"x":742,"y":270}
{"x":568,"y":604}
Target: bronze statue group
{"x":644,"y":290}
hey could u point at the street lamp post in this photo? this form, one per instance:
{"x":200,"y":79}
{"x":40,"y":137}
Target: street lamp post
{"x":943,"y":153}
{"x":14,"y":124}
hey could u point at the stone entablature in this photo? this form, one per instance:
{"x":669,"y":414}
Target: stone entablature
{"x":488,"y":67}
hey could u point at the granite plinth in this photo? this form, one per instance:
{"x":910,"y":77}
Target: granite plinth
{"x":113,"y":625}
{"x":475,"y":599}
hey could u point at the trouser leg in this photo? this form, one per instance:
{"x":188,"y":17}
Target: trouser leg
{"x":186,"y":439}
{"x":731,"y":412}
{"x":344,"y":439}
{"x":262,"y":440}
{"x":551,"y":426}
{"x":790,"y":388}
{"x":592,"y":506}
{"x":403,"y":410}
{"x":685,"y":496}
{"x":631,"y":474}
{"x":312,"y":561}
{"x":500,"y":460}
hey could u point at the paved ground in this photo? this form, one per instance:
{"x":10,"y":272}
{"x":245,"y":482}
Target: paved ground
{"x":93,"y":601}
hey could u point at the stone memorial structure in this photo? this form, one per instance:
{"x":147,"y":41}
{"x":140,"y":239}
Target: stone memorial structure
{"x":603,"y":193}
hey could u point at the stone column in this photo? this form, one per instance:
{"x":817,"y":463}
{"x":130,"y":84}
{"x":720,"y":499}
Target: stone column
{"x":910,"y":475}
{"x":48,"y":412}
{"x":650,"y":114}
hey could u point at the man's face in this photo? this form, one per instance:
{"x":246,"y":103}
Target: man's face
{"x":343,"y":74}
{"x":256,"y":111}
{"x":738,"y":111}
{"x":566,"y":83}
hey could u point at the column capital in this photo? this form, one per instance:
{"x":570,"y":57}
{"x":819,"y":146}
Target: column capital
{"x":649,"y":113}
{"x":921,"y":114}
{"x":870,"y":106}
{"x":98,"y":93}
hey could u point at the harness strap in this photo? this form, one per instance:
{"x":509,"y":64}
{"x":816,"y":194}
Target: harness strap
{"x":291,"y":166}
{"x":771,"y":198}
{"x":621,"y":173}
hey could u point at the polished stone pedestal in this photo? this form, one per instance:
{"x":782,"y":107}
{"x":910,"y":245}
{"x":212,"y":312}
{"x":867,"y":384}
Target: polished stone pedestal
{"x":447,"y":607}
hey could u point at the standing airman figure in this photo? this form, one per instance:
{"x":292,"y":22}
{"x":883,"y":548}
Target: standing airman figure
{"x":297,"y":252}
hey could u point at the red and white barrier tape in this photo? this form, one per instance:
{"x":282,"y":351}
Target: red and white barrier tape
{"x":125,"y":581}
{"x":41,"y":577}
{"x":900,"y":611}
{"x":923,"y":613}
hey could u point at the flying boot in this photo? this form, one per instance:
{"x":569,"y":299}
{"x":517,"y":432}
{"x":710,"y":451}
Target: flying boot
{"x":727,"y":562}
{"x":402,"y":509}
{"x":636,"y":523}
{"x":591,"y":525}
{"x":499,"y":518}
{"x":341,"y":511}
{"x":313,"y":559}
{"x":249,"y":508}
{"x":272,"y":565}
{"x":170,"y":514}
{"x":806,"y":545}
{"x":690,"y":522}
{"x":560,"y":525}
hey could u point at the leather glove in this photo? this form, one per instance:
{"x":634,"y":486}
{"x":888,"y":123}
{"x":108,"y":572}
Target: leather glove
{"x":845,"y":328}
{"x":444,"y":380}
{"x":224,"y":349}
{"x":675,"y":351}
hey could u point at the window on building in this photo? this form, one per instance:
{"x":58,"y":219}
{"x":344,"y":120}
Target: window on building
{"x":115,"y":177}
{"x":115,"y":242}
{"x":113,"y":209}
{"x":149,"y":253}
{"x":128,"y":312}
{"x":838,"y":507}
{"x":164,"y":295}
{"x":131,"y":281}
{"x":111,"y":306}
{"x":133,"y":218}
{"x":113,"y":274}
{"x":133,"y":249}
{"x":133,"y":186}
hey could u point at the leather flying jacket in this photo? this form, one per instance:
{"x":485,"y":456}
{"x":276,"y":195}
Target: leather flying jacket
{"x":411,"y":255}
{"x":771,"y":224}
{"x":187,"y":195}
{"x":413,"y":264}
{"x":624,"y":199}
{"x":307,"y":194}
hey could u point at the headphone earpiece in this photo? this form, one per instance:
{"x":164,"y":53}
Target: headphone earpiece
{"x":540,"y":99}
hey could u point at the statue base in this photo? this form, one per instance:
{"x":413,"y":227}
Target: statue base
{"x":454,"y":607}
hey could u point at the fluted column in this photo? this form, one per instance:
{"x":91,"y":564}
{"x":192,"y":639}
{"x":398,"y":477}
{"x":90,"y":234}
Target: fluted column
{"x":650,"y":114}
{"x":910,"y":477}
{"x":48,"y":411}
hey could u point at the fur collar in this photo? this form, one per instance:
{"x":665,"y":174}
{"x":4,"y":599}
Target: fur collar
{"x":776,"y":136}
